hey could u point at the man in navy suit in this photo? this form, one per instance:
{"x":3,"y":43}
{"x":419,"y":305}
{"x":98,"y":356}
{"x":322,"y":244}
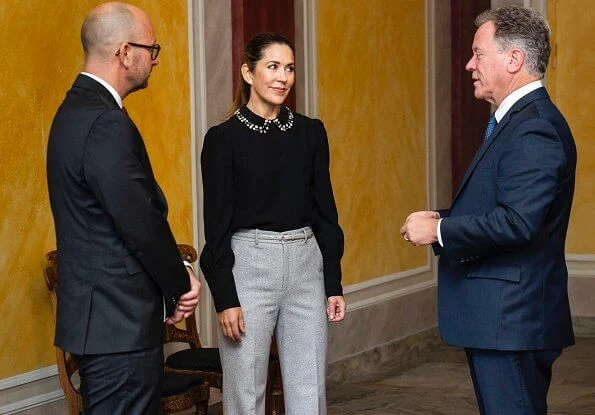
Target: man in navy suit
{"x":120,"y":272}
{"x":502,"y":284}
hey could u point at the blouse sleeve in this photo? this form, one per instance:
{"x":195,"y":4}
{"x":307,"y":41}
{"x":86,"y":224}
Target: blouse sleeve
{"x":326,"y":221}
{"x":217,"y":258}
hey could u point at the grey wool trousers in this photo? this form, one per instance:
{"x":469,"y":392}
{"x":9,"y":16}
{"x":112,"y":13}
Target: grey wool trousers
{"x":280,"y":285}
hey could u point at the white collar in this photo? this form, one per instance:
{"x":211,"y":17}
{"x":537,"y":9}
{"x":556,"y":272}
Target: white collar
{"x":514,"y":96}
{"x":107,"y":86}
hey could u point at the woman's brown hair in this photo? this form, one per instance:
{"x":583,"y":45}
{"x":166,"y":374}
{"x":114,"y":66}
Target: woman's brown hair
{"x":253,"y":53}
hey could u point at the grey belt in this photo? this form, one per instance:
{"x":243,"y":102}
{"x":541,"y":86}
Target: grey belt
{"x":258,"y":235}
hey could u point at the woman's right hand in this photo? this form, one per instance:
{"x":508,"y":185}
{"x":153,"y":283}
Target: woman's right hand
{"x":231,"y":321}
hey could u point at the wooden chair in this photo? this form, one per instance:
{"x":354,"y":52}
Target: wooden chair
{"x":67,"y":366}
{"x":206,"y":361}
{"x":180,"y":391}
{"x":275,"y":403}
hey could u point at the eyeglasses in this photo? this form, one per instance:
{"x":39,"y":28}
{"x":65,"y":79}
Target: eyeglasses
{"x":155,"y":49}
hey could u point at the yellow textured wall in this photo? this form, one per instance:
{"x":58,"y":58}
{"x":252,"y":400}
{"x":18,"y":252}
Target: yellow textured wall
{"x":371,"y":97}
{"x":571,"y":82}
{"x":41,"y":58}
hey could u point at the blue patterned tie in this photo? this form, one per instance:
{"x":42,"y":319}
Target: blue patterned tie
{"x":490,"y":128}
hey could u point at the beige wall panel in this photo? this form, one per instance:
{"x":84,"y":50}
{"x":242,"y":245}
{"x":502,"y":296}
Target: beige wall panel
{"x":581,"y":291}
{"x":218,"y":60}
{"x":381,"y":323}
{"x":571,"y":82}
{"x":371,"y":97}
{"x":42,"y":57}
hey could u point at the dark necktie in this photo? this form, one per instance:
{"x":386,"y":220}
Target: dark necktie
{"x":490,"y":128}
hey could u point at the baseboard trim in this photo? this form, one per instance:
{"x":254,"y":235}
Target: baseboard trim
{"x":584,"y":326}
{"x":402,"y":352}
{"x":581,"y":266}
{"x":409,"y":351}
{"x":31,"y":402}
{"x":28,"y":377}
{"x":29,"y":390}
{"x":580,"y":257}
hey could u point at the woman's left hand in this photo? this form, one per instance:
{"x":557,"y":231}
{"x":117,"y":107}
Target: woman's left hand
{"x":335,"y":308}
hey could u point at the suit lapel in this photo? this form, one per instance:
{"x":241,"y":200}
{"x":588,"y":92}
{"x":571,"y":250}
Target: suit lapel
{"x":518,"y":106}
{"x":482,"y":150}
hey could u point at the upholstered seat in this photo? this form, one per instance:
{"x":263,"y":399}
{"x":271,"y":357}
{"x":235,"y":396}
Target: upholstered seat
{"x":203,"y":359}
{"x":177,"y":383}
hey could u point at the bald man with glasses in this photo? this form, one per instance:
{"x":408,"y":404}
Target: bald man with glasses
{"x":120,"y":272}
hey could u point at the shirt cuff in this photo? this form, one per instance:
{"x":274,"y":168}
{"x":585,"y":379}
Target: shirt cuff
{"x":189,"y":265}
{"x":439,"y":234}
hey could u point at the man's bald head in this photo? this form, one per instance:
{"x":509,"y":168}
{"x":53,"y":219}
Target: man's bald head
{"x":107,"y":26}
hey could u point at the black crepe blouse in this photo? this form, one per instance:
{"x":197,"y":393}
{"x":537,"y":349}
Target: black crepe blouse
{"x":275,"y":181}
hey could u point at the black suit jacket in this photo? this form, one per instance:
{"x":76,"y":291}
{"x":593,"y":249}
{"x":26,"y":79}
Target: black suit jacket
{"x":503,"y":280}
{"x":118,"y":259}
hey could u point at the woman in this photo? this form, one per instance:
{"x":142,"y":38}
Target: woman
{"x":273,"y":242}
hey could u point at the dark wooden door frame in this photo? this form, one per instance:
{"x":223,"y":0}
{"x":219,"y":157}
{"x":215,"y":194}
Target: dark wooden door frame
{"x":250,"y":17}
{"x":469,"y":115}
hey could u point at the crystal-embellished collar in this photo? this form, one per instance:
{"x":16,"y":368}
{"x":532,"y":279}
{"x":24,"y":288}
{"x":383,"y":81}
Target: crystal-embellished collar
{"x":256,"y":123}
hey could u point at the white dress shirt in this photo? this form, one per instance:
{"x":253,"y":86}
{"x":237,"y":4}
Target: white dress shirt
{"x":107,"y":86}
{"x":501,"y":111}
